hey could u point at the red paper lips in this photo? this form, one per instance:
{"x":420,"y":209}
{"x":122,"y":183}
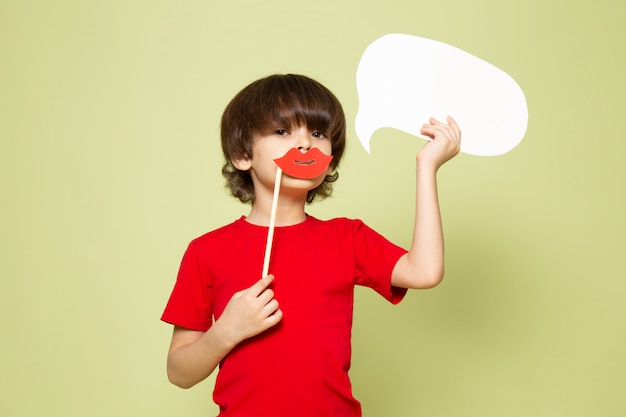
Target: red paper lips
{"x":306,"y":165}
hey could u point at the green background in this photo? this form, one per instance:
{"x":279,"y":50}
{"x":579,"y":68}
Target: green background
{"x":110,"y":164}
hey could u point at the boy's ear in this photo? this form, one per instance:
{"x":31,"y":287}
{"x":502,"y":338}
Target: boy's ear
{"x":242,"y":164}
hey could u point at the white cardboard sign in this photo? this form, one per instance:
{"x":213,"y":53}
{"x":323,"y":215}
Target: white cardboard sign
{"x":402,"y":80}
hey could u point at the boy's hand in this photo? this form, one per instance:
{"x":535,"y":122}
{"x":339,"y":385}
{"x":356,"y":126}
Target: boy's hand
{"x":251,"y":311}
{"x":445,"y":143}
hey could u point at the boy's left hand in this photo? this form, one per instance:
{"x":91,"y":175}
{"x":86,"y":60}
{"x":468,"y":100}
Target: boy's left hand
{"x":444,"y":145}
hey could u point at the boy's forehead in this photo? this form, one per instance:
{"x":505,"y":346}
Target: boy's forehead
{"x":292,"y":117}
{"x":291,"y":111}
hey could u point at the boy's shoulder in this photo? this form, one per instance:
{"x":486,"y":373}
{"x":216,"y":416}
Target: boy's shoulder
{"x":221,"y":233}
{"x":338,"y":226}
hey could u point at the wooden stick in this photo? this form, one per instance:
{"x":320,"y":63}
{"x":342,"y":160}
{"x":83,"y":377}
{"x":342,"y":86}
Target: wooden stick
{"x":270,"y":232}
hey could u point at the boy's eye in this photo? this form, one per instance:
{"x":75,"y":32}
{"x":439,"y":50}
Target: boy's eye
{"x":280,"y":132}
{"x":318,"y":134}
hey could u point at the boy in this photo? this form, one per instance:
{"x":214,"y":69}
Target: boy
{"x":283,"y":341}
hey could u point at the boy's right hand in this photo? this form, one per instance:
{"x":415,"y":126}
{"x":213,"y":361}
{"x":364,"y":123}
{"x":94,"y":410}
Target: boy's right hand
{"x":251,"y":311}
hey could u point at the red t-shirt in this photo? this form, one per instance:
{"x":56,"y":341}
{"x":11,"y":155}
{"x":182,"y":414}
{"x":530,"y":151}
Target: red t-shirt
{"x":299,"y":367}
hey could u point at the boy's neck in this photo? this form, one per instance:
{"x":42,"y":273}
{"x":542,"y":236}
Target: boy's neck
{"x":287,"y":213}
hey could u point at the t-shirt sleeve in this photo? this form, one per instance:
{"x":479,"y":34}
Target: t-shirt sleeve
{"x":190,"y":304}
{"x":375,"y":259}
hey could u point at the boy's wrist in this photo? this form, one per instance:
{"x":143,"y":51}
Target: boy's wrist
{"x":423,"y":165}
{"x":223,"y":337}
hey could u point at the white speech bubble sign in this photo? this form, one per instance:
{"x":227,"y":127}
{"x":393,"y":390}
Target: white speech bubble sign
{"x":403,"y":80}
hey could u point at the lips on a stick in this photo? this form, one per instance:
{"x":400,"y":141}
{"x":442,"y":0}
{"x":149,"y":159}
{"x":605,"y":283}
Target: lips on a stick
{"x":296,"y":164}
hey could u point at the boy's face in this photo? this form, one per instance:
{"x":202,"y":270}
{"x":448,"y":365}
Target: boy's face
{"x":275,"y":143}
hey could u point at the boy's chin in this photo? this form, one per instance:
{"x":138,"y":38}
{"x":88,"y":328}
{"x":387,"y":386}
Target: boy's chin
{"x":305,"y":185}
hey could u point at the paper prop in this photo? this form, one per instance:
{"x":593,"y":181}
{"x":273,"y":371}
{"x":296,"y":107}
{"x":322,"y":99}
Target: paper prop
{"x":403,"y":80}
{"x":308,"y":165}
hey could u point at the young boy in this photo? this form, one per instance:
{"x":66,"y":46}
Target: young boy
{"x":282,"y":341}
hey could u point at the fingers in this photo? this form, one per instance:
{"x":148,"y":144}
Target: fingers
{"x":262,"y":292}
{"x":445,"y":142}
{"x":252,"y":310}
{"x":258,"y":292}
{"x":274,"y":317}
{"x":261,"y":285}
{"x":270,"y":310}
{"x":435,"y":127}
{"x":455,"y":127}
{"x":265,"y":295}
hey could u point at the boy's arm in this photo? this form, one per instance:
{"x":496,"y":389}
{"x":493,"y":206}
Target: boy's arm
{"x":423,"y":265}
{"x":194,"y":355}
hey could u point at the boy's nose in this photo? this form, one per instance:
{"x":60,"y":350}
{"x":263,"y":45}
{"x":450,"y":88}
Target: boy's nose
{"x":303,"y":143}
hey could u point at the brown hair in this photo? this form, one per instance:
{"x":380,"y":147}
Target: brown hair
{"x":284,"y":100}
